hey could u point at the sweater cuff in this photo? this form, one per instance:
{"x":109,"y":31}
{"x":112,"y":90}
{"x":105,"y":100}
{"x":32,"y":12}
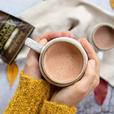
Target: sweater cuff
{"x":29,"y":96}
{"x":53,"y":108}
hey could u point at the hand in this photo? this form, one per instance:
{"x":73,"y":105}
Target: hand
{"x":73,"y":94}
{"x":32,"y":62}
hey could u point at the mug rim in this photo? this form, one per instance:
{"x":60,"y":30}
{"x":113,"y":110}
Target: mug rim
{"x":72,"y":42}
{"x":92,"y":34}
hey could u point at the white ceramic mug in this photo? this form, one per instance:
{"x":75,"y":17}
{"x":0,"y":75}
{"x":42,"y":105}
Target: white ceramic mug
{"x":101,"y":36}
{"x":42,"y":49}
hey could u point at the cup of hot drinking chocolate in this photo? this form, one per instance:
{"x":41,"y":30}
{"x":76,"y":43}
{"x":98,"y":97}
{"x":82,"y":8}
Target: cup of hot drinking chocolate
{"x":102,"y":36}
{"x":62,"y":60}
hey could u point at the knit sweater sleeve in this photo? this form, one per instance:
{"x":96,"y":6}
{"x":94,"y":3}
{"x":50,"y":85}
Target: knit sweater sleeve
{"x":54,"y":108}
{"x":31,"y":97}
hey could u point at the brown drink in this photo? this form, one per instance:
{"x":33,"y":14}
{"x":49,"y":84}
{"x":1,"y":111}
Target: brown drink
{"x":63,"y":62}
{"x":104,"y":37}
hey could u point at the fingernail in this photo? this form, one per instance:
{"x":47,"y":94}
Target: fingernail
{"x":93,"y":63}
{"x":43,"y":41}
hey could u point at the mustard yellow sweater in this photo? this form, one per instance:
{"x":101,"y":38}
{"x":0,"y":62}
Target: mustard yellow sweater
{"x":32,"y":97}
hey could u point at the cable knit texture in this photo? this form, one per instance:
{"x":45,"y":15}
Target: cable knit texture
{"x":29,"y":96}
{"x":29,"y":99}
{"x":53,"y":108}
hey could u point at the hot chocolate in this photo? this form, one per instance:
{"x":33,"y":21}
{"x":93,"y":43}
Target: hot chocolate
{"x":104,"y":37}
{"x":63,"y":62}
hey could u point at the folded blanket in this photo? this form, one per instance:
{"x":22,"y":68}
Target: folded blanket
{"x":67,"y":15}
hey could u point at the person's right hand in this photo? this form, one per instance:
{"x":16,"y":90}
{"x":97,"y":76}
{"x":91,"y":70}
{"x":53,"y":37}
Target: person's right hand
{"x":74,"y":94}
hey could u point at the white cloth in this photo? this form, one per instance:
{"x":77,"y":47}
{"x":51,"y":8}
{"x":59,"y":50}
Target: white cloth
{"x":77,"y":16}
{"x":63,"y":15}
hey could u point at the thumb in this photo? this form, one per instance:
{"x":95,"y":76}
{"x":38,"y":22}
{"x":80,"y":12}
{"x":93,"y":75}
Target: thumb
{"x":90,"y":74}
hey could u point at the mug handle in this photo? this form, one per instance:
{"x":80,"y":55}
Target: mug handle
{"x":33,"y":45}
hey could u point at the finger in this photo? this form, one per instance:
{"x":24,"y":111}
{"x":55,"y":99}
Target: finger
{"x":93,"y":69}
{"x":90,"y":52}
{"x":43,"y":41}
{"x":88,"y":48}
{"x":91,"y":77}
{"x":50,"y":36}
